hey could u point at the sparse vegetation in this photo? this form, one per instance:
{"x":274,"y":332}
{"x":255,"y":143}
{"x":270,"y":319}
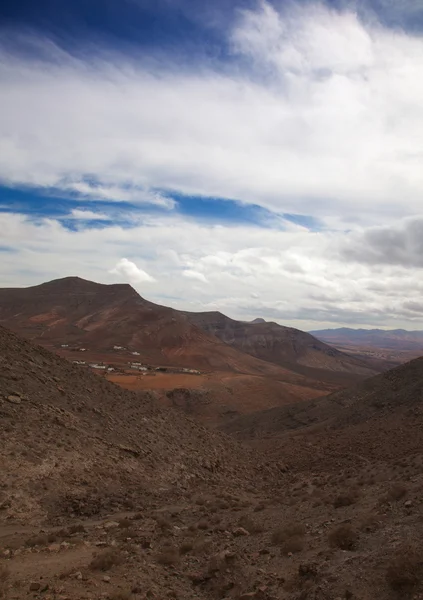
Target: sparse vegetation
{"x":397,"y":491}
{"x":252,"y":526}
{"x":344,"y":537}
{"x":346,"y":499}
{"x":405,"y":569}
{"x":186,"y":547}
{"x":282,"y":534}
{"x":104,"y":561}
{"x":168,"y":556}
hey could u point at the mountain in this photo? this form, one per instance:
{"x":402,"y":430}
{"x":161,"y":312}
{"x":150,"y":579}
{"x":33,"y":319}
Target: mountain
{"x":285,"y":346}
{"x":394,"y":339}
{"x":385,"y":398}
{"x":76,"y":312}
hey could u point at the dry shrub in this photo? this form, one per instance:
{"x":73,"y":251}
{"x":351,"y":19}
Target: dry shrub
{"x":344,"y":537}
{"x":186,"y":547}
{"x":168,"y":556}
{"x":106,"y":560}
{"x":163,"y":523}
{"x":346,"y":499}
{"x":405,"y":569}
{"x":282,"y":534}
{"x":250,"y":525}
{"x":294,"y":545}
{"x":125,"y":523}
{"x":397,"y":491}
{"x":37,"y":540}
{"x":370,"y":523}
{"x":77,"y":528}
{"x":131,"y":533}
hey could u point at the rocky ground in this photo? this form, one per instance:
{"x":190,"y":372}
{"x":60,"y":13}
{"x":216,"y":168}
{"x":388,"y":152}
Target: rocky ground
{"x":104,"y":495}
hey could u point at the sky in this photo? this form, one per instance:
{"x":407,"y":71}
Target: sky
{"x":261,"y":158}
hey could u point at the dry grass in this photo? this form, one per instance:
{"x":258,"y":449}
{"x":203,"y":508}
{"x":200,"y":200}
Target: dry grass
{"x":106,"y":560}
{"x":344,"y":537}
{"x":405,"y":569}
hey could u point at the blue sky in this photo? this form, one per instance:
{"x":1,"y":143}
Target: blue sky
{"x":259,"y":157}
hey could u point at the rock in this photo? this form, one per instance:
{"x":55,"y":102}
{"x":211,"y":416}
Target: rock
{"x":110,"y":525}
{"x":65,"y":545}
{"x":14,"y":399}
{"x":307,"y":570}
{"x":220,"y":561}
{"x":106,"y":579}
{"x":34,"y":586}
{"x":54,"y":548}
{"x":78,"y":575}
{"x":408,"y":504}
{"x":240,"y":531}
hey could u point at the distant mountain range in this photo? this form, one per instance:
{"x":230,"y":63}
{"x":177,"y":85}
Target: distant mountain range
{"x":395,"y":339}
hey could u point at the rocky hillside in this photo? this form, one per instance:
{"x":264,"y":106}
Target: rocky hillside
{"x":105,"y":496}
{"x":71,"y":441}
{"x":285,"y":346}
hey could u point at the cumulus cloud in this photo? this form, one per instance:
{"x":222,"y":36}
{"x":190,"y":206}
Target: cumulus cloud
{"x":324,"y":116}
{"x":194,"y":275}
{"x":130,"y":272}
{"x":251,"y":277}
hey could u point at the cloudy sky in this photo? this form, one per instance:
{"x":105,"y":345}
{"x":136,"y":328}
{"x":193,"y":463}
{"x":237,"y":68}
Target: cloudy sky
{"x":262,"y":158}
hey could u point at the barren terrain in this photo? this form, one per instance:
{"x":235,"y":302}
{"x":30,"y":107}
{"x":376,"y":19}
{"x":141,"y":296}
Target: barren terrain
{"x":105,"y":495}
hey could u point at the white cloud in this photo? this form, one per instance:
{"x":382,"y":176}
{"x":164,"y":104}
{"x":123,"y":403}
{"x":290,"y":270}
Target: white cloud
{"x":130,"y":272}
{"x":325,"y":117}
{"x":87,"y":215}
{"x":190,"y":274}
{"x":297,"y":278}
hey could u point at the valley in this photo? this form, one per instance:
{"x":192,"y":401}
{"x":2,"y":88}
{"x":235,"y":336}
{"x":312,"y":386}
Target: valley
{"x":172,"y":477}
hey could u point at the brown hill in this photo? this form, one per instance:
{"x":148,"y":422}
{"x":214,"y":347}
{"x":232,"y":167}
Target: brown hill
{"x":83,"y":313}
{"x":375,"y":415}
{"x":80,"y":443}
{"x":285,"y":346}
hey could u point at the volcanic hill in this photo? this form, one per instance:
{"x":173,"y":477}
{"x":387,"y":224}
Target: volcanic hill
{"x":73,"y":311}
